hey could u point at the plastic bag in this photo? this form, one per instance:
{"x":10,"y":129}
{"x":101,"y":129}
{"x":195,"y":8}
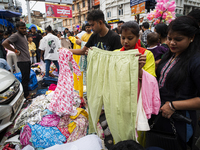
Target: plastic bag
{"x":42,"y":66}
{"x":33,"y":80}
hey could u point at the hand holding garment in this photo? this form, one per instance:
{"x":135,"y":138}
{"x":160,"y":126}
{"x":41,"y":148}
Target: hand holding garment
{"x":112,"y":80}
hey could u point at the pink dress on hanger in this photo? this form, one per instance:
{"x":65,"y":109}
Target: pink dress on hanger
{"x":63,"y":98}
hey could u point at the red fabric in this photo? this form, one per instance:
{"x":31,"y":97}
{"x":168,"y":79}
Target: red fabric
{"x":140,"y":49}
{"x":8,"y":147}
{"x":82,"y":103}
{"x":65,"y":132}
{"x":139,"y":43}
{"x":52,"y":87}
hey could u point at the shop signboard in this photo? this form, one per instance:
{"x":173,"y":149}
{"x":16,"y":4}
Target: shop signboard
{"x":136,"y":2}
{"x":96,"y":2}
{"x":138,"y":9}
{"x":113,"y":21}
{"x":58,"y":11}
{"x":56,"y":1}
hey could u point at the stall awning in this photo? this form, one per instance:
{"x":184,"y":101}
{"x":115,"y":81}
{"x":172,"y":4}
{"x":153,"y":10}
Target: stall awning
{"x":8,"y":14}
{"x":6,"y":23}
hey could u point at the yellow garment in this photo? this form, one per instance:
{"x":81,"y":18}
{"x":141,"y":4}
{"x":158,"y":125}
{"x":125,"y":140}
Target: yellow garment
{"x":150,"y":66}
{"x":71,"y":127}
{"x":150,"y":63}
{"x":86,"y":37}
{"x":78,"y":84}
{"x":31,"y":46}
{"x":80,"y":111}
{"x":48,"y":92}
{"x":73,"y":40}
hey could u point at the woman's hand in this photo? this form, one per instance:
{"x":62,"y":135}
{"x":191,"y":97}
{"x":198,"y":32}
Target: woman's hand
{"x":166,"y":110}
{"x":142,"y":62}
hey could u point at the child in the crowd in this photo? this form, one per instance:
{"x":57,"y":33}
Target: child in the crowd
{"x":32,"y":49}
{"x":157,"y":50}
{"x":129,"y":40}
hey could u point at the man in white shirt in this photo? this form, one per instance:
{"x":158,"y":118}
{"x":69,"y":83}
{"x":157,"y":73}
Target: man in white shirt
{"x":49,"y":46}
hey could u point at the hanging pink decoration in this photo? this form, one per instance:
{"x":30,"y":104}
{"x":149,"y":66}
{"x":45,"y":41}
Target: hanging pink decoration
{"x":164,"y":12}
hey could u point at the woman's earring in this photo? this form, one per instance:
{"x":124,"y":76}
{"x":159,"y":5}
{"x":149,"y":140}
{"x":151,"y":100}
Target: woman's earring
{"x":191,"y":40}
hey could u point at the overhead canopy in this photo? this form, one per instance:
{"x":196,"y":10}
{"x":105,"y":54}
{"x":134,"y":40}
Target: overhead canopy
{"x":36,"y":27}
{"x":6,"y":23}
{"x":8,"y":14}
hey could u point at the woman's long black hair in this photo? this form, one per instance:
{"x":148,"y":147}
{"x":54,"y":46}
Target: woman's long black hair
{"x":186,"y":26}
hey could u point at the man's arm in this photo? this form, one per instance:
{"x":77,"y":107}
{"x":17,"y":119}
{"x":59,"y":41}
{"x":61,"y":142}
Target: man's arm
{"x":7,"y":43}
{"x":79,"y":51}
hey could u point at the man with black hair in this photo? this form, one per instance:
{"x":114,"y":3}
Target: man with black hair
{"x":36,"y":39}
{"x":21,"y":49}
{"x":102,"y":37}
{"x":119,"y":24}
{"x":195,"y":13}
{"x":145,"y":28}
{"x":49,"y":46}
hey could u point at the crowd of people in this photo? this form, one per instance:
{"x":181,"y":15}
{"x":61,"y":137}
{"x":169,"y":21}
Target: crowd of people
{"x":170,"y":54}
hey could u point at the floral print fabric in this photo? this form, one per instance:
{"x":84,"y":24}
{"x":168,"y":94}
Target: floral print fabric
{"x":50,"y":120}
{"x":80,"y":130}
{"x":25,"y":136}
{"x":33,"y":114}
{"x":45,"y":137}
{"x":62,"y":100}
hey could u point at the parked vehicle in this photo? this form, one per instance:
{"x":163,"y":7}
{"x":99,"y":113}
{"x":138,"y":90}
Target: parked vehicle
{"x":11,"y":98}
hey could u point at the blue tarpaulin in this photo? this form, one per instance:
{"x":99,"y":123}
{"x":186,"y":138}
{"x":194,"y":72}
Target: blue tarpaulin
{"x":9,"y":14}
{"x":6,"y":23}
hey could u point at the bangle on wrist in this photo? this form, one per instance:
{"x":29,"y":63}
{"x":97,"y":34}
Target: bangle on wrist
{"x":140,"y":78}
{"x":16,"y":50}
{"x":171,"y":107}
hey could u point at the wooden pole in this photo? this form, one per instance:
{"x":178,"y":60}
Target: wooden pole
{"x":138,"y":18}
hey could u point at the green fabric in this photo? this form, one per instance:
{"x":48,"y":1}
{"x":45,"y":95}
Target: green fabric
{"x":142,"y":44}
{"x":28,"y":25}
{"x":112,"y":81}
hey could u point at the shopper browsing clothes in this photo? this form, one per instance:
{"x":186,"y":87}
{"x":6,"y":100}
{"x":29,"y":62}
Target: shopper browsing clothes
{"x":178,"y":77}
{"x":102,"y":37}
{"x":49,"y":46}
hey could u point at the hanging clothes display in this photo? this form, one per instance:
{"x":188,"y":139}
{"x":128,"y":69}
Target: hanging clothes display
{"x":150,"y":94}
{"x":83,"y":64}
{"x":78,"y":80}
{"x":62,"y":100}
{"x":78,"y":84}
{"x":112,"y":80}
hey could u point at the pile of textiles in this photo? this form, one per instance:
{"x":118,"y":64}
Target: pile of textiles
{"x":40,"y":128}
